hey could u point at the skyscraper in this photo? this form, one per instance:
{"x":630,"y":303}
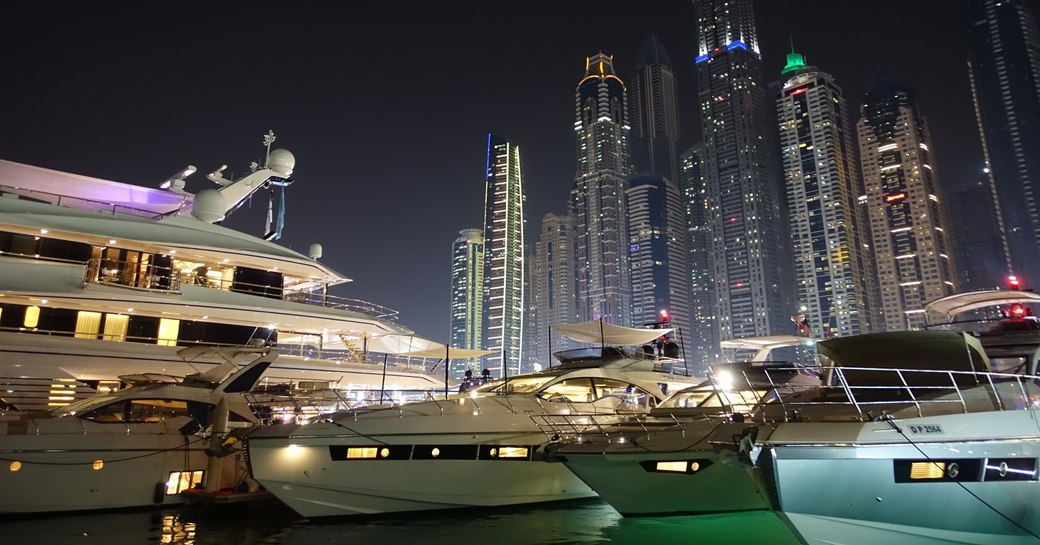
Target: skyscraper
{"x":832,"y":282}
{"x":702,"y":341}
{"x":902,"y":193}
{"x":553,"y":286}
{"x":657,"y":252}
{"x":655,"y":111}
{"x":467,"y":294}
{"x":979,"y":245}
{"x":748,"y":254}
{"x":503,"y":257}
{"x":598,"y":194}
{"x":1004,"y":65}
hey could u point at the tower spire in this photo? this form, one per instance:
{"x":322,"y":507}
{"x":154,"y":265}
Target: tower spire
{"x":795,"y":61}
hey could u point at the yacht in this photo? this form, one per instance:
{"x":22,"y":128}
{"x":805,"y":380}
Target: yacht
{"x":944,"y":452}
{"x":480,"y":448}
{"x":100,"y":278}
{"x":145,"y":445}
{"x":684,"y":456}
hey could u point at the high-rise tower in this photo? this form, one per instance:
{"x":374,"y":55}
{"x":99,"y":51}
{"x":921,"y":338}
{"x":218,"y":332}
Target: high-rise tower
{"x":553,"y":286}
{"x":832,"y":279}
{"x":657,"y":252}
{"x":655,"y":111}
{"x":1004,"y":65}
{"x":902,"y":193}
{"x":702,"y":341}
{"x":748,"y":253}
{"x":598,"y":195}
{"x":467,"y":294}
{"x":503,"y":257}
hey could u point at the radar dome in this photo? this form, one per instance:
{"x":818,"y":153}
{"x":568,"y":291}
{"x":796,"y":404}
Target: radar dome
{"x":314,"y":252}
{"x":282,"y":162}
{"x":210,"y":206}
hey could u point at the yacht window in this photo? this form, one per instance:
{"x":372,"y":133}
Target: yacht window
{"x":691,"y":398}
{"x":631,"y":396}
{"x":520,"y":385}
{"x":575,"y":390}
{"x":155,"y":410}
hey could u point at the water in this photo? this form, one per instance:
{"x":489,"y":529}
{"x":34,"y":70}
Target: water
{"x":582,"y":523}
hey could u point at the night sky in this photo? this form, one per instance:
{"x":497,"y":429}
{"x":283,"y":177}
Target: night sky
{"x":387,"y":105}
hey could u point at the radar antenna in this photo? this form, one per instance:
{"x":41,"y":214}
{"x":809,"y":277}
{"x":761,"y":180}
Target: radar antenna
{"x":268,"y":140}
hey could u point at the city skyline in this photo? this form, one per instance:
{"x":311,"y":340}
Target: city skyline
{"x":110,"y":93}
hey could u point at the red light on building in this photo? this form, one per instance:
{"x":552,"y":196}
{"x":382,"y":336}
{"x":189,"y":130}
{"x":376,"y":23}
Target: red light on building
{"x":798,"y":91}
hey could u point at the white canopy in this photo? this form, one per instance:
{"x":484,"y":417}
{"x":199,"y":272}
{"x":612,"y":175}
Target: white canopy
{"x":951,"y":305}
{"x":448,"y":352}
{"x":400,"y":344}
{"x":600,"y":332}
{"x":764,"y":345}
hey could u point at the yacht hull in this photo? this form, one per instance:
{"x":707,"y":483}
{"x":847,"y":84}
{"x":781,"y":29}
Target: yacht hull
{"x":854,"y":483}
{"x":304,"y":476}
{"x":674,"y":474}
{"x":57,"y":473}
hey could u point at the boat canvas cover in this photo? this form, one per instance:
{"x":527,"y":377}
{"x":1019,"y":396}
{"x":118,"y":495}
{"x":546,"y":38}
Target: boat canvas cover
{"x":953,"y":305}
{"x":600,"y":332}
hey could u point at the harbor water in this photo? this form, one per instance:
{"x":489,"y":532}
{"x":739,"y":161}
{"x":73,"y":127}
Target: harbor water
{"x":269,"y":523}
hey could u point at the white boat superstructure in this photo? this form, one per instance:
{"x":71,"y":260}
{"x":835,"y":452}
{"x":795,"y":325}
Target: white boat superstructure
{"x":144,"y":445}
{"x":481,"y":448}
{"x":100,"y":278}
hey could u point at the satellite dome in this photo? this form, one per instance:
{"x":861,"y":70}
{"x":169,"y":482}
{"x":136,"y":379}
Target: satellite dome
{"x":314,"y":252}
{"x":282,"y":162}
{"x":210,"y":206}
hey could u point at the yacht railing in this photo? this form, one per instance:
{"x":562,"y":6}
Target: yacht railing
{"x":78,"y":203}
{"x":147,"y":276}
{"x":851,"y":394}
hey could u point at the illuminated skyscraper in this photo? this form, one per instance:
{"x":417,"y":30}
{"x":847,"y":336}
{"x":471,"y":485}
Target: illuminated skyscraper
{"x":749,"y":256}
{"x":598,"y":195}
{"x":553,"y":284}
{"x":655,"y":112}
{"x":902,"y":194}
{"x":702,"y":341}
{"x":467,"y":294}
{"x":832,"y":277}
{"x":657,"y":252}
{"x":503,"y":257}
{"x":1004,"y":65}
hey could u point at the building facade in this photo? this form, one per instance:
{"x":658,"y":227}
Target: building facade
{"x":749,"y":255}
{"x":597,"y":198}
{"x":467,"y":295}
{"x":655,"y":112}
{"x":902,"y":196}
{"x":1004,"y":67}
{"x":702,"y":340}
{"x":553,"y":287}
{"x":657,"y":253}
{"x":823,"y":185}
{"x":503,"y":257}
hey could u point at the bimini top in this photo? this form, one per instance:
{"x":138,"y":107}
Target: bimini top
{"x":600,"y":332}
{"x":764,"y":345}
{"x":959,"y":303}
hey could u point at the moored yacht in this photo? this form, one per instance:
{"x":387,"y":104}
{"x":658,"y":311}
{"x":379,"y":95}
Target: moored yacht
{"x":144,"y":445}
{"x":944,"y":455}
{"x":480,"y":448}
{"x":684,"y":456}
{"x":100,"y":279}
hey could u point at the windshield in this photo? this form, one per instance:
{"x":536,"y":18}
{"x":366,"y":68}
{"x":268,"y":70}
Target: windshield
{"x":83,"y":405}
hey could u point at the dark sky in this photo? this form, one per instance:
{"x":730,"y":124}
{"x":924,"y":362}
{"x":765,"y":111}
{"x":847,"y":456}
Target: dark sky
{"x":387,"y":105}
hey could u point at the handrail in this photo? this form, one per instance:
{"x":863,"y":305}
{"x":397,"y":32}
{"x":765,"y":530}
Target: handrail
{"x":924,"y":391}
{"x":94,"y":205}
